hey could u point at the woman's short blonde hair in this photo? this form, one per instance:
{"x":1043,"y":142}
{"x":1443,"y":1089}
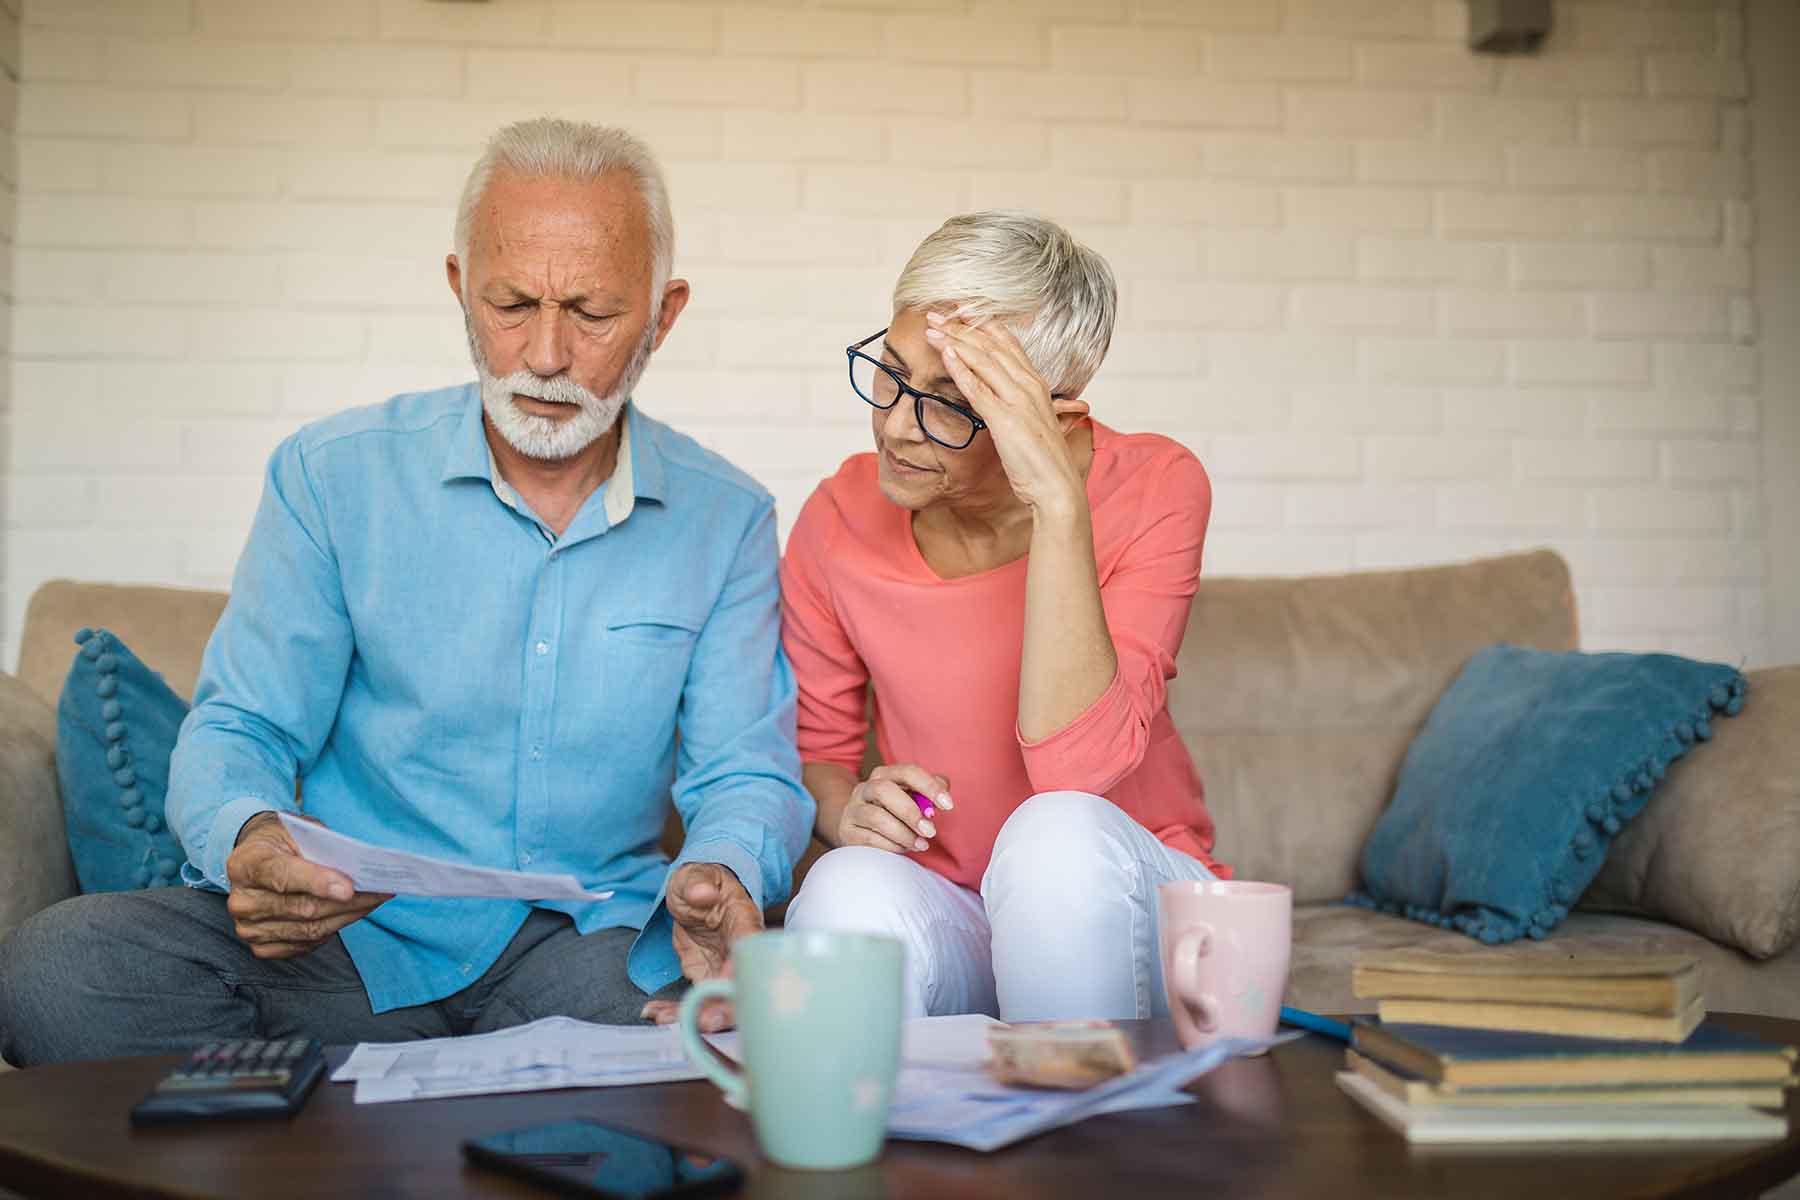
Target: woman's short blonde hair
{"x":1057,"y":295}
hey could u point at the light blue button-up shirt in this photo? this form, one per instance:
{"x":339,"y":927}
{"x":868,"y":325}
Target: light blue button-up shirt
{"x":445,"y":678}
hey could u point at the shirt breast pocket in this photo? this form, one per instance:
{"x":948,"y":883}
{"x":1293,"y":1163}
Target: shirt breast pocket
{"x":647,"y":663}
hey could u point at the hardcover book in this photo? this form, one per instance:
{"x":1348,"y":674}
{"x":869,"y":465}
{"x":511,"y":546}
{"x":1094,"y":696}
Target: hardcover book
{"x":1664,"y":985}
{"x":1570,"y":1123}
{"x":1547,"y":1018}
{"x":1410,"y":1089}
{"x":1505,"y":1058}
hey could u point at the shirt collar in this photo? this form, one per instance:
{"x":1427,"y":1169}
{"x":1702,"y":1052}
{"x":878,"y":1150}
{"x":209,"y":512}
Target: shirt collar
{"x":637,"y":474}
{"x":648,"y":479}
{"x":621,"y":492}
{"x":469,"y":456}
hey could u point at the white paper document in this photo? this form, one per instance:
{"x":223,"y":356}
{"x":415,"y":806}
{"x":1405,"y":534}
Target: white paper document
{"x":374,"y":869}
{"x":946,"y":1041}
{"x":963,"y":1106}
{"x":943,"y":1093}
{"x":959,"y":1041}
{"x":556,"y":1052}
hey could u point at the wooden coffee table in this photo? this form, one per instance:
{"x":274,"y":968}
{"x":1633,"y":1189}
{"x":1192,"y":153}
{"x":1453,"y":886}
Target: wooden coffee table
{"x":1276,"y":1125}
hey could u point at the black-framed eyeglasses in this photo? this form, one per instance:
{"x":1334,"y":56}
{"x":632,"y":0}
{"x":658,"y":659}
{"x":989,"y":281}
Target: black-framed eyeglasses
{"x":949,"y":424}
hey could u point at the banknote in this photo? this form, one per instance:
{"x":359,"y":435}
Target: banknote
{"x":1071,"y":1055}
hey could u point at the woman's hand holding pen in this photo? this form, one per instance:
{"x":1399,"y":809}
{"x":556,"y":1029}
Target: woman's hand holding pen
{"x":893,"y":808}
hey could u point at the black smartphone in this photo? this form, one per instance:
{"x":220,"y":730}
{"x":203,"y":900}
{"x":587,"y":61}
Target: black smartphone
{"x":584,"y":1158}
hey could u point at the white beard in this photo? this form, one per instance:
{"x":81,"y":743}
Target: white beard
{"x":547,"y":438}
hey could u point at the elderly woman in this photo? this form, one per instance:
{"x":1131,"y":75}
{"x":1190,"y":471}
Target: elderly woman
{"x":1013,"y":578}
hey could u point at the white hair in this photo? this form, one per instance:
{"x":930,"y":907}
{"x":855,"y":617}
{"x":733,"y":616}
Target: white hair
{"x":546,"y":438}
{"x":582,"y":152}
{"x":1057,"y":295}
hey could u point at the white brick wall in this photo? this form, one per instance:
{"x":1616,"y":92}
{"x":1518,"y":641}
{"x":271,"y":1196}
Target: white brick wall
{"x":10,"y":47}
{"x":1410,"y":304}
{"x":1772,"y":40}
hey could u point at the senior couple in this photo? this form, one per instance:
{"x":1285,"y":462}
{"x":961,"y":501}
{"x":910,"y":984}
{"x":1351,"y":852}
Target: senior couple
{"x":505,"y":623}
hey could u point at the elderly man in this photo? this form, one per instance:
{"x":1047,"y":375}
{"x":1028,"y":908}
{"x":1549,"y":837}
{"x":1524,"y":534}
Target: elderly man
{"x":470,"y":623}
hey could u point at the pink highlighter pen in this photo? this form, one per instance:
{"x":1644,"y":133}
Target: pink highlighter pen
{"x":923,"y":801}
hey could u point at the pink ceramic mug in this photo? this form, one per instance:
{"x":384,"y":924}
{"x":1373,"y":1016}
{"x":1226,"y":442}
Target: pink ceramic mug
{"x":1225,"y":956}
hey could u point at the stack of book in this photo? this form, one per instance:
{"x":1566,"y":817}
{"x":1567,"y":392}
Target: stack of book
{"x":1652,"y":998}
{"x":1479,"y":1048}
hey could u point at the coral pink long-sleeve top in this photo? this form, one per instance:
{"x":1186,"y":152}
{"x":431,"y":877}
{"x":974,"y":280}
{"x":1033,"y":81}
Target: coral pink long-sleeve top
{"x":860,"y":605}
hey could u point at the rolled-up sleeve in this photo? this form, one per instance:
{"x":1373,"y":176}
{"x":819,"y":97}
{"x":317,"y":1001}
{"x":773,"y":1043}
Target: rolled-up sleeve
{"x":737,"y":782}
{"x":1146,"y":594}
{"x":833,"y":723}
{"x":272,"y":678}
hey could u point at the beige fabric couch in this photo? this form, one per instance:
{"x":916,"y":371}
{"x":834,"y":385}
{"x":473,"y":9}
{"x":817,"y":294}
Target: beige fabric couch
{"x":1298,"y":698}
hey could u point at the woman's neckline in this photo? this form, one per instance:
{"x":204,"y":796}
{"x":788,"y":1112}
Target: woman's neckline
{"x":1101,"y":434}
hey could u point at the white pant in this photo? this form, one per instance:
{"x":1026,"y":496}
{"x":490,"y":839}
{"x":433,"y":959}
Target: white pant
{"x":1064,"y":927}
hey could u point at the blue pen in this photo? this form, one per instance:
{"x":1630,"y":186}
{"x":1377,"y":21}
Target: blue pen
{"x":1314,"y":1023}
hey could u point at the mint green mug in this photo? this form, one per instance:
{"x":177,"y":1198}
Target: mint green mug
{"x":818,"y":1017}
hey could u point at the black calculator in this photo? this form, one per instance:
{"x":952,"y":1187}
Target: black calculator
{"x":235,"y":1079}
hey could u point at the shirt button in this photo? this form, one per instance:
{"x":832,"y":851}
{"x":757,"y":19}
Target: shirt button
{"x":466,"y":968}
{"x":525,"y":857}
{"x":537,"y":752}
{"x":542,"y":648}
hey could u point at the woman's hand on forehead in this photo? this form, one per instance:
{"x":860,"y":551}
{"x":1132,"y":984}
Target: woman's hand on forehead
{"x":998,"y":381}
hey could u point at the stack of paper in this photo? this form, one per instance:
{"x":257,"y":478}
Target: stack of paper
{"x":942,"y":1094}
{"x":963,"y":1106}
{"x":556,"y":1052}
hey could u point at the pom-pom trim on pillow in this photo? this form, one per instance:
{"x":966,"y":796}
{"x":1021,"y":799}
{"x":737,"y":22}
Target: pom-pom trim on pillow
{"x":1606,"y":814}
{"x":97,"y":647}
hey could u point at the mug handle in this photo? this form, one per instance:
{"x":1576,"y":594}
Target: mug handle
{"x":727,"y":1080}
{"x":1193,"y":945}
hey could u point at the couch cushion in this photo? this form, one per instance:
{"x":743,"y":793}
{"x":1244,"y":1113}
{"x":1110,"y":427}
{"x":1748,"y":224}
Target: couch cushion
{"x":1328,"y":937}
{"x":168,"y":626}
{"x":1298,"y":697}
{"x":1527,"y":768}
{"x":34,"y":854}
{"x":116,"y":728}
{"x":1717,"y":849}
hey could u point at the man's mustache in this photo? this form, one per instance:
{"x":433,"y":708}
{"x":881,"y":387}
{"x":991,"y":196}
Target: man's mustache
{"x":556,"y":389}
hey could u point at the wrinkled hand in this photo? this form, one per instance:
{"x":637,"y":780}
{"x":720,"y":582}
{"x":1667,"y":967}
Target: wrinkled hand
{"x":712,"y":910}
{"x":282,"y":905}
{"x":994,"y":375}
{"x":715,"y":1015}
{"x":881,"y":813}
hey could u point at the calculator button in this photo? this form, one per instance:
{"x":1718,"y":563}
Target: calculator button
{"x":207,"y":1051}
{"x":294,"y":1050}
{"x":228,"y":1051}
{"x":252,"y":1049}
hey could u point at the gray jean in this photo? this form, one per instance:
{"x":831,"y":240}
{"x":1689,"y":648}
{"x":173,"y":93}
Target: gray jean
{"x":161,"y":971}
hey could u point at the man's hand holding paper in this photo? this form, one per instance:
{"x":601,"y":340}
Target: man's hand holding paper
{"x":281,"y":904}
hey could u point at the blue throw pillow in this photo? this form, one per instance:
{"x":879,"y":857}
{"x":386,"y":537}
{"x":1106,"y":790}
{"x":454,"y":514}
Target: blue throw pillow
{"x":115,"y":729}
{"x":1526,"y":768}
